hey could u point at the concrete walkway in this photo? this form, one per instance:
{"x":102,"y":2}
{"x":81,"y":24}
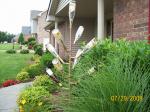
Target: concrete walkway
{"x":8,"y":97}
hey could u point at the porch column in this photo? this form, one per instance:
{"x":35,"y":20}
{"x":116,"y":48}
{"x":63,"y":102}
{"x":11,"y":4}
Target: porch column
{"x":100,"y":20}
{"x":56,"y":45}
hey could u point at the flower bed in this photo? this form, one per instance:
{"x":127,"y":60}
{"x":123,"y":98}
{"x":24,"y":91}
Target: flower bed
{"x":9,"y":83}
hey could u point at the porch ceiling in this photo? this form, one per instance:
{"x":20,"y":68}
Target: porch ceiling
{"x":87,"y":8}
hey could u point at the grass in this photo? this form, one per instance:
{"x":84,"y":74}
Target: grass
{"x":11,"y":64}
{"x":8,"y":46}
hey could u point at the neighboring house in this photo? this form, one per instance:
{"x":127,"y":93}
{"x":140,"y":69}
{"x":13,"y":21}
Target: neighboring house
{"x":101,"y":19}
{"x":41,"y":32}
{"x":26,"y":30}
{"x":37,"y":25}
{"x":34,"y":22}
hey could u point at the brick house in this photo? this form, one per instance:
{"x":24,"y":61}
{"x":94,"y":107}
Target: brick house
{"x":38,"y":23}
{"x":41,"y":32}
{"x":101,"y":18}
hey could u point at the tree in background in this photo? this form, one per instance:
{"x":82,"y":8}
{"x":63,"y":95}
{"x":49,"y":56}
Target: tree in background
{"x":4,"y":36}
{"x":21,"y":38}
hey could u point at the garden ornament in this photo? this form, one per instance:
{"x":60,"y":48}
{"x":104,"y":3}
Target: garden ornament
{"x":51,"y":49}
{"x":79,"y":33}
{"x":57,"y":64}
{"x":52,"y":76}
{"x":90,"y":45}
{"x":72,"y":8}
{"x":78,"y":54}
{"x":59,"y":38}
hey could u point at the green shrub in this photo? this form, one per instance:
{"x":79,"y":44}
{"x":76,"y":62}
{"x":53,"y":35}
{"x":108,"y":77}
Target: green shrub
{"x":36,"y":58}
{"x":46,"y":60}
{"x":38,"y":49}
{"x":121,"y":68}
{"x":32,"y":43}
{"x":34,"y":70}
{"x":45,"y":82}
{"x":11,"y":51}
{"x":24,"y":51}
{"x":34,"y":98}
{"x":23,"y":76}
{"x":31,"y":39}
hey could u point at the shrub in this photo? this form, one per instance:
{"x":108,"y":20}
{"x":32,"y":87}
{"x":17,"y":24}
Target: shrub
{"x":24,"y":51}
{"x":33,"y":99}
{"x":45,"y":82}
{"x":31,"y":39}
{"x":34,"y":70}
{"x":38,"y":49}
{"x":46,"y":60}
{"x":23,"y":76}
{"x":121,"y":69}
{"x":11,"y":51}
{"x":36,"y":58}
{"x":9,"y":83}
{"x":32,"y":43}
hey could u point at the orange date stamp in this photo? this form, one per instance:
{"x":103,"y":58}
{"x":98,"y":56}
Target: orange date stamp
{"x":126,"y":98}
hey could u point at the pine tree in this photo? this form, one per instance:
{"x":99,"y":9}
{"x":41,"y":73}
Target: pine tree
{"x":21,"y":38}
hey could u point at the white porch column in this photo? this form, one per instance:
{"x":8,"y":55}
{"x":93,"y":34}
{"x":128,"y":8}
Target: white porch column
{"x":100,"y":20}
{"x":56,"y":45}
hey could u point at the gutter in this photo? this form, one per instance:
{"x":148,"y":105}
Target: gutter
{"x":48,"y":9}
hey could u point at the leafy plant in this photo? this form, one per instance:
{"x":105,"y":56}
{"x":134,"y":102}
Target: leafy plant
{"x":31,"y":39}
{"x":38,"y":49}
{"x":45,"y":82}
{"x":24,"y":51}
{"x":121,"y":68}
{"x":9,"y":83}
{"x":11,"y":51}
{"x":23,"y":76}
{"x":34,"y":98}
{"x":34,"y":70}
{"x":46,"y":60}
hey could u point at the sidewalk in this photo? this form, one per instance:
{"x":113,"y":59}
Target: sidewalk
{"x":8,"y":97}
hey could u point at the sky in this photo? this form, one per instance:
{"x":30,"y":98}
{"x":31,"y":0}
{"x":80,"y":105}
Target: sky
{"x":16,"y":13}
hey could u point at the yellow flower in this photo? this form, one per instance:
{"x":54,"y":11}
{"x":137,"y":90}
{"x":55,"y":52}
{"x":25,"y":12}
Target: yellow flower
{"x":39,"y":104}
{"x":21,"y":109}
{"x":60,"y":84}
{"x":23,"y":101}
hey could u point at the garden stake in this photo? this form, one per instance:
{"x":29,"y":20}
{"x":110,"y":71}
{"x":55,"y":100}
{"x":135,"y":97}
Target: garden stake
{"x":72,"y":7}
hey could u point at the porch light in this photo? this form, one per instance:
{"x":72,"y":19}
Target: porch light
{"x":45,"y":41}
{"x":79,"y":33}
{"x":59,"y":38}
{"x":51,"y":49}
{"x":72,"y":9}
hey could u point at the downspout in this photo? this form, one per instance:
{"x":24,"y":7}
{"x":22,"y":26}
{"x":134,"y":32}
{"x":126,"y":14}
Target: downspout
{"x":149,"y":25}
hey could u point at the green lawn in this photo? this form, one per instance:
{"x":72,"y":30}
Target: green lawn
{"x":8,"y":46}
{"x":11,"y":64}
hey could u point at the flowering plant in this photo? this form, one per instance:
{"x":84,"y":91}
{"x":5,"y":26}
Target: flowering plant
{"x":9,"y":83}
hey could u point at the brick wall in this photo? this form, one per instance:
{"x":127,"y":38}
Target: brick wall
{"x":131,"y":19}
